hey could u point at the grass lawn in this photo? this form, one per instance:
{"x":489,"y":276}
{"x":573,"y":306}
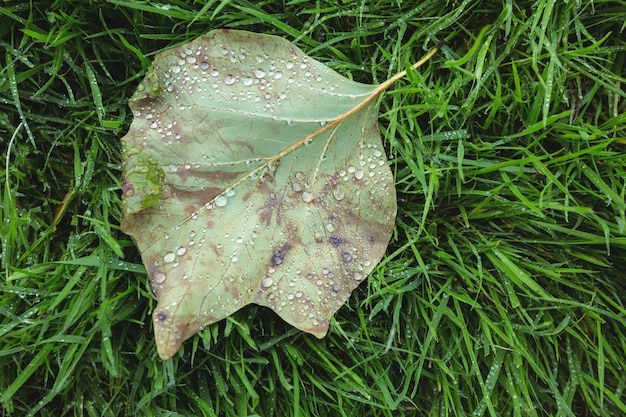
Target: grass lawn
{"x":502,"y":293}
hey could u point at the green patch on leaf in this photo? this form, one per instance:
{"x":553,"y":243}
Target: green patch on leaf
{"x":143,"y":182}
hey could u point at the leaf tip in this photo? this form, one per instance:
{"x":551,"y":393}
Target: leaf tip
{"x":169,"y":335}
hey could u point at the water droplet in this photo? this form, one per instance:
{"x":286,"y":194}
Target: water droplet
{"x":214,"y":72}
{"x":297,"y":187}
{"x":204,"y":65}
{"x":169,"y":257}
{"x":359,"y":174}
{"x":267,"y":282}
{"x":307,"y":196}
{"x":289,"y":122}
{"x":159,"y":278}
{"x":338,"y":194}
{"x":229,"y":80}
{"x":330,"y":227}
{"x":358,"y":276}
{"x":221,"y":201}
{"x":181,"y":251}
{"x":278,"y":257}
{"x":191,"y":59}
{"x":323,"y":123}
{"x":175,"y":69}
{"x":346,"y":257}
{"x":259,"y":73}
{"x":247,"y":81}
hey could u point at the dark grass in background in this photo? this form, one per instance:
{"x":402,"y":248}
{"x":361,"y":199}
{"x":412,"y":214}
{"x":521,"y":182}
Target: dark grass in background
{"x":503,"y":289}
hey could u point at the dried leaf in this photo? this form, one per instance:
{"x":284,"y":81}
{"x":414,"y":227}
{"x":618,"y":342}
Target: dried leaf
{"x":253,"y":174}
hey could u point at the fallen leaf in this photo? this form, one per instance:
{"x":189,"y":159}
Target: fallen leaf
{"x":253,"y":174}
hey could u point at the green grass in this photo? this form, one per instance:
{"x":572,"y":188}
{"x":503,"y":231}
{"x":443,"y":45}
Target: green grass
{"x":503,"y":291}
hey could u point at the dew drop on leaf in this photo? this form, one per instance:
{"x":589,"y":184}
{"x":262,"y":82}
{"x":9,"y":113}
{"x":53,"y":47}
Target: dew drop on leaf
{"x":221,"y":201}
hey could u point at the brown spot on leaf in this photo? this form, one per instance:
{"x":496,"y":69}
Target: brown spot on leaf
{"x":335,"y":241}
{"x":208,"y":177}
{"x":161,"y":316}
{"x":128,"y":189}
{"x":192,"y":197}
{"x":279,"y":254}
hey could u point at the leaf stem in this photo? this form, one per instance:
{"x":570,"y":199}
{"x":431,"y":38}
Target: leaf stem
{"x":402,"y":74}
